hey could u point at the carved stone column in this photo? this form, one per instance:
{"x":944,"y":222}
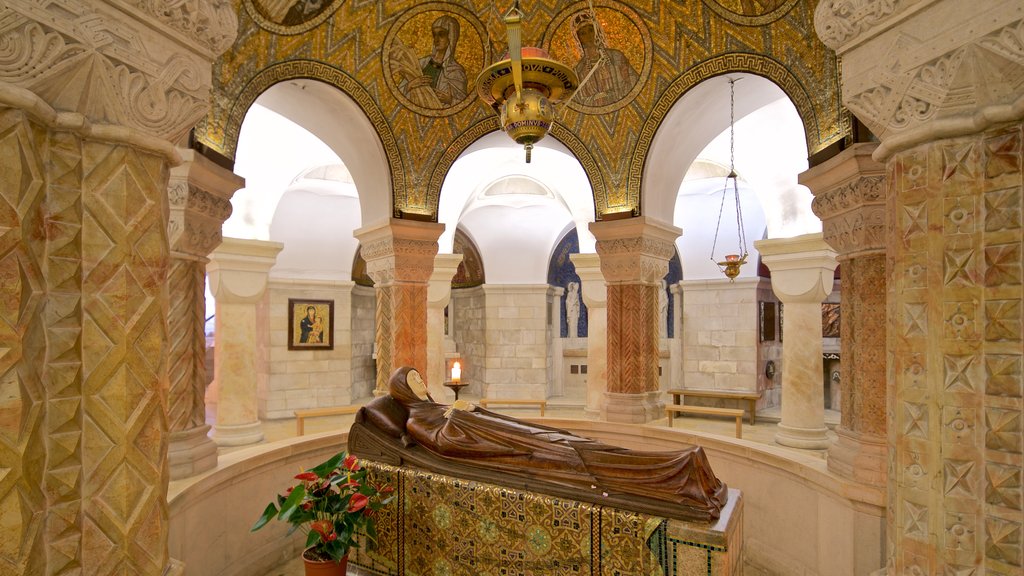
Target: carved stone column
{"x":239,"y":272}
{"x":941,"y":84}
{"x":634,"y":257}
{"x":199,"y":194}
{"x":802,"y":270}
{"x":400,"y":258}
{"x":849,"y":198}
{"x":92,"y":96}
{"x":439,"y":294}
{"x":595,"y":296}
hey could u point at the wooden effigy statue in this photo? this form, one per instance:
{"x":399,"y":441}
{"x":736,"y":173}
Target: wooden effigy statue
{"x":407,"y":427}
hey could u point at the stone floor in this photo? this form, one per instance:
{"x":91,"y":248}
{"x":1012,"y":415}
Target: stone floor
{"x":763,"y":432}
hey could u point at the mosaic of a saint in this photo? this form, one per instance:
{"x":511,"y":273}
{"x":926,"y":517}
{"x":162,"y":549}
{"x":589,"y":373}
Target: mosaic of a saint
{"x":615,"y":77}
{"x":435,"y":80}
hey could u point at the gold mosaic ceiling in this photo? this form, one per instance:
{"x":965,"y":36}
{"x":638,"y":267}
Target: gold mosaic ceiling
{"x":411,"y":67}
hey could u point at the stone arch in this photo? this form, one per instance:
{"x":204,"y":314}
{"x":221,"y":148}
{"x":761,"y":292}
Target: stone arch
{"x":367,"y":174}
{"x":754,"y":64}
{"x":484,"y":127}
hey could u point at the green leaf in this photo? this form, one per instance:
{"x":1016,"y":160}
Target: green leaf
{"x":269,"y":512}
{"x":291,"y":504}
{"x":371,"y":531}
{"x":322,"y":470}
{"x":312,"y":539}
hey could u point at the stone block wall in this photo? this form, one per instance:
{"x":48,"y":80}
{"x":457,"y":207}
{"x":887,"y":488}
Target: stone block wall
{"x":468,"y":328}
{"x":517,"y":363}
{"x":363,"y":327}
{"x":289,"y":380}
{"x":720,"y":334}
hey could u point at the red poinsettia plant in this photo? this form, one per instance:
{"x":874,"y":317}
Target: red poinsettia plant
{"x":331,"y":503}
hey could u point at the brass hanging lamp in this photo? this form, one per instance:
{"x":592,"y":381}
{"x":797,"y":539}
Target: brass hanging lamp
{"x":730,"y":264}
{"x":524,"y":87}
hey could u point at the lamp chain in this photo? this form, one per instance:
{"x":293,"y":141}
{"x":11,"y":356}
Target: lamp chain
{"x":741,"y":233}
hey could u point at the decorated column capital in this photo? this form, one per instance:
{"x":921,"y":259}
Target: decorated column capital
{"x":635,"y":250}
{"x":439,"y":291}
{"x":399,"y":251}
{"x":239,"y":269}
{"x":802,"y":267}
{"x":915,"y":71}
{"x":121,"y":66}
{"x":199,"y":193}
{"x":849,"y":197}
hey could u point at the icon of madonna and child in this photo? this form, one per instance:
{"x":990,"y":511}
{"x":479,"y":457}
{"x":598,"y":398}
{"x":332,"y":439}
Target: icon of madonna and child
{"x":407,"y":427}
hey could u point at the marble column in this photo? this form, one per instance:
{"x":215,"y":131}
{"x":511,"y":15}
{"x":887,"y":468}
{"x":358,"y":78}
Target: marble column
{"x":89,"y":115}
{"x":940,"y":83}
{"x":239,"y":272}
{"x":595,"y":296}
{"x":400,"y":258}
{"x":634,"y":256}
{"x":199,"y":194}
{"x":802,"y":269}
{"x":439,"y":294}
{"x":849,"y":197}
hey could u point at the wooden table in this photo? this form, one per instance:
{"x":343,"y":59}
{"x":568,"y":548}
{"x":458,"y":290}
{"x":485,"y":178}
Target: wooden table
{"x":679,"y":397}
{"x":729,"y":412}
{"x":491,"y":401}
{"x":301,"y":415}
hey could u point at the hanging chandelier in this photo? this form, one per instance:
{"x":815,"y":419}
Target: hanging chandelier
{"x":730,"y":264}
{"x":524,"y":87}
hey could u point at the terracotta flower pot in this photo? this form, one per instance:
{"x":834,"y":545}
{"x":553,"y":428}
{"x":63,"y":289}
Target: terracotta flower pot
{"x":325,"y":567}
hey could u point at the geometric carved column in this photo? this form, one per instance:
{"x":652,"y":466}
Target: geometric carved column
{"x":399,"y":257}
{"x":849,"y":192}
{"x":595,"y":295}
{"x":942,"y":85}
{"x":239,"y":272}
{"x":439,"y":294}
{"x":92,"y":96}
{"x":802,"y":269}
{"x":199,"y":192}
{"x":634,"y":257}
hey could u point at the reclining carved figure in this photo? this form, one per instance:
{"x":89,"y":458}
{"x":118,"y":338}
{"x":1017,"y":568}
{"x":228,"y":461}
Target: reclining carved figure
{"x":462,"y":440}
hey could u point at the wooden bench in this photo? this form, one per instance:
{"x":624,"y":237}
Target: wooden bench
{"x":301,"y":415}
{"x":730,"y":412}
{"x":485,"y":402}
{"x":679,"y":394}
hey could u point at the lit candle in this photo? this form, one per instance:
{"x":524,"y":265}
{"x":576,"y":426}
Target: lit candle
{"x":456,"y":372}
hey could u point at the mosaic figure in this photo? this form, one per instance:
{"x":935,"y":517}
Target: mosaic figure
{"x":291,"y":12}
{"x":436,"y":80}
{"x":615,"y":77}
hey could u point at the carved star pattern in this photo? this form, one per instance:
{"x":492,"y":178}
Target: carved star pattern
{"x":1003,"y":430}
{"x":916,"y":519}
{"x":1003,"y":320}
{"x":1002,"y":210}
{"x":1002,"y":155}
{"x":1003,"y":375}
{"x":957,"y":377}
{"x":915,"y":220}
{"x":1003,"y":542}
{"x":915,"y":319}
{"x":958,"y":267}
{"x":956,"y":162}
{"x":959,"y":479}
{"x":917,"y":420}
{"x":1002,"y":265}
{"x":1003,"y":487}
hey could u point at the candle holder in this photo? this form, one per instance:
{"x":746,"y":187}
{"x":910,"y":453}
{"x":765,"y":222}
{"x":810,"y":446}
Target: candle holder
{"x":455,"y":386}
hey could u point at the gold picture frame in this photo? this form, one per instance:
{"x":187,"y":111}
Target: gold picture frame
{"x":310,"y":324}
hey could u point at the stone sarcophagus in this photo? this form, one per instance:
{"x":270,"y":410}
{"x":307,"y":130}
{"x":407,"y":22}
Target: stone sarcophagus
{"x":439,"y":524}
{"x":481,"y":493}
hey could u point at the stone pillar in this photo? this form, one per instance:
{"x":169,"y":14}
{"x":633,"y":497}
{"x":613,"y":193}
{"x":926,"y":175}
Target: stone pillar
{"x":439,"y":294}
{"x":634,"y":257}
{"x":239,"y":272}
{"x":595,"y":296}
{"x":199,"y":193}
{"x":400,"y":258}
{"x":802,"y":269}
{"x":849,"y":198}
{"x":940,"y":84}
{"x":87,"y":127}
